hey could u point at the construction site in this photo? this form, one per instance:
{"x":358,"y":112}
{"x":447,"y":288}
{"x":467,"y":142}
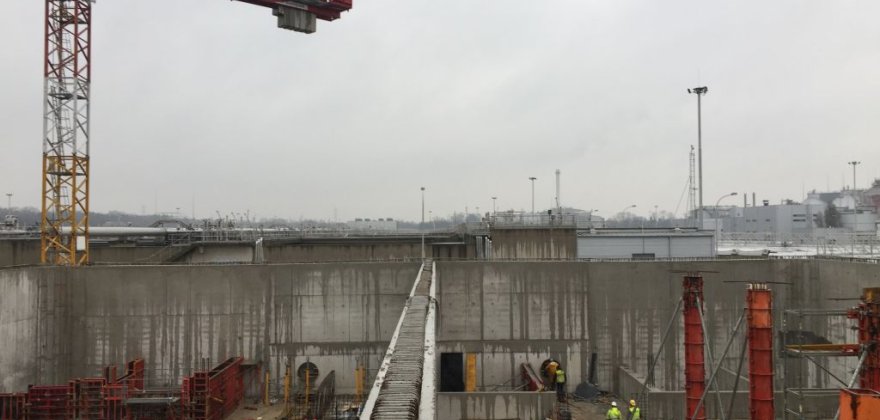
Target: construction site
{"x":447,"y":339}
{"x":226,"y":322}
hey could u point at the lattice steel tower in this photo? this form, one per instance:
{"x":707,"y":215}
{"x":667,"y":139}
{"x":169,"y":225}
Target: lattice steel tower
{"x":64,"y":229}
{"x":692,"y":189}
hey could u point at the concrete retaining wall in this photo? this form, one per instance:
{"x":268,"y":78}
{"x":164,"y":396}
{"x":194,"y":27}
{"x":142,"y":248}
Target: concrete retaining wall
{"x":19,"y":252}
{"x":18,"y":328}
{"x":515,"y":312}
{"x":57,"y":323}
{"x":534,"y":243}
{"x":494,"y":405}
{"x":27,"y":252}
{"x":220,"y":254}
{"x":343,"y":251}
{"x":80,"y":320}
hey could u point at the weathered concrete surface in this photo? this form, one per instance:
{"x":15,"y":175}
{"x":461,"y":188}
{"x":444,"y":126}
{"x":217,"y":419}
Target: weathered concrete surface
{"x":515,"y":312}
{"x":494,"y":405}
{"x":27,"y":252}
{"x":534,"y":243}
{"x":219,"y":254}
{"x":663,"y":404}
{"x":71,"y":322}
{"x":18,"y":327}
{"x":124,"y":254}
{"x":80,"y":320}
{"x":343,"y":251}
{"x":19,"y":252}
{"x":389,"y":248}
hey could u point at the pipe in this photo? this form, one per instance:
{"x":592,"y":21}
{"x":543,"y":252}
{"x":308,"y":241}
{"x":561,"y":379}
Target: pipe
{"x":558,"y":199}
{"x":856,"y":374}
{"x":123,"y":231}
{"x":694,"y":351}
{"x":739,"y":367}
{"x":760,"y":310}
{"x":712,"y":382}
{"x":649,"y":378}
{"x":266,"y":389}
{"x":718,"y":366}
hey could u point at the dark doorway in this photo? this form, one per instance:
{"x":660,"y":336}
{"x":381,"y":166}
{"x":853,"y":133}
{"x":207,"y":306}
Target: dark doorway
{"x":451,"y":372}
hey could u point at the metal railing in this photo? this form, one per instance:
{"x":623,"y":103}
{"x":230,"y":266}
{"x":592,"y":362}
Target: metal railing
{"x":853,"y":244}
{"x":533,"y":220}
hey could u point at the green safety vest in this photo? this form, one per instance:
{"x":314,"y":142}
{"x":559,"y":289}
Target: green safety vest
{"x":560,"y":376}
{"x":613,"y":414}
{"x":635,"y":413}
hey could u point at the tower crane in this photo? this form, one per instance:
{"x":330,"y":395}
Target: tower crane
{"x":64,"y":225}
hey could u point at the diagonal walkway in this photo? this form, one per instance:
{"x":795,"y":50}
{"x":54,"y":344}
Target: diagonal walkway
{"x":397,"y":393}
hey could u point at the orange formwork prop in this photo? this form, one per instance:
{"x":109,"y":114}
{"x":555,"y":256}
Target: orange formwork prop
{"x":694,"y":351}
{"x":760,"y":318}
{"x":859,"y":404}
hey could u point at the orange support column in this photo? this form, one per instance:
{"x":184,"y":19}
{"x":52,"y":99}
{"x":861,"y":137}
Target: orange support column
{"x":760,"y":318}
{"x":868,"y":315}
{"x":694,"y":356}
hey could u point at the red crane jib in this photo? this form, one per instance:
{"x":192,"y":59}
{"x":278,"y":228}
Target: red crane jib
{"x":323,"y":9}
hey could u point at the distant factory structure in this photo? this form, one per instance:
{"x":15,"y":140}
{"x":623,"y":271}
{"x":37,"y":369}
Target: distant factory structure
{"x":373,"y":225}
{"x":819,"y":213}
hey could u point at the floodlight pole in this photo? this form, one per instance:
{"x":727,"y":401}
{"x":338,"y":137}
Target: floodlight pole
{"x":854,"y":164}
{"x":700,"y":91}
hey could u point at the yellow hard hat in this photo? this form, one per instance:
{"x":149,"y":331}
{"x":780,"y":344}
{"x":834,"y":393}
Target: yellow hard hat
{"x":632,"y":403}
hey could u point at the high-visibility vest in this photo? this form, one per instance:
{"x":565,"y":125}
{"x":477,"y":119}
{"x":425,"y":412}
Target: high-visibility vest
{"x":560,"y":376}
{"x":635,"y":413}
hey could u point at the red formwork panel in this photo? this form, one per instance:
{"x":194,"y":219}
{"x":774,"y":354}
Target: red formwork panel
{"x":760,"y":318}
{"x":134,"y":376}
{"x":89,"y":398}
{"x":51,"y":402}
{"x":215,"y":394}
{"x":109,"y":373}
{"x":12,"y":406}
{"x":186,"y":396}
{"x":694,"y":350}
{"x":114,"y":401}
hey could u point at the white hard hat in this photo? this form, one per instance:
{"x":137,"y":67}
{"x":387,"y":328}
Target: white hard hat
{"x":614,"y":403}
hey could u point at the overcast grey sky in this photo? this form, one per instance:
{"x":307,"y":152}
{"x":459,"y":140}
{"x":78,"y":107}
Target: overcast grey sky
{"x":467,"y":98}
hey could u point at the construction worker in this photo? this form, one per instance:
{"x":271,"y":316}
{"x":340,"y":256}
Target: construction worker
{"x":634,"y":412}
{"x":613,"y":412}
{"x":560,"y":384}
{"x":551,"y":372}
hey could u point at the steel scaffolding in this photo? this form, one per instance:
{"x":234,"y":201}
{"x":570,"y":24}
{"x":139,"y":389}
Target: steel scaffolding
{"x":799,"y":398}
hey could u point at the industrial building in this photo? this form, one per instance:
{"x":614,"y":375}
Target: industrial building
{"x":646,"y":244}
